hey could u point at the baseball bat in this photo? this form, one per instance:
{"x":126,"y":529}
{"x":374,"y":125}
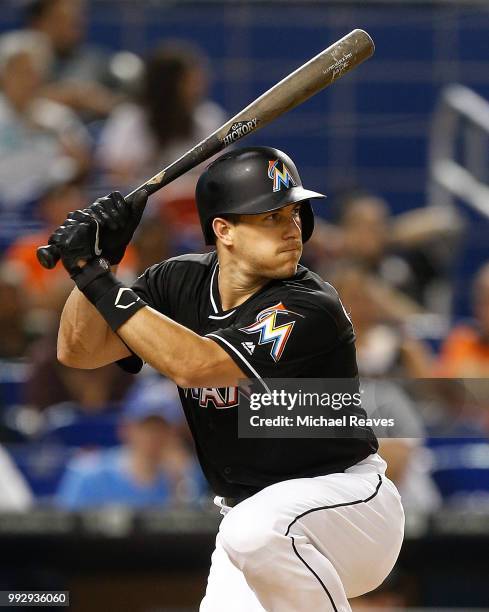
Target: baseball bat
{"x":313,"y":76}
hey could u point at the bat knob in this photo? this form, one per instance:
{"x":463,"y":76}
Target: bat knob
{"x":48,"y":256}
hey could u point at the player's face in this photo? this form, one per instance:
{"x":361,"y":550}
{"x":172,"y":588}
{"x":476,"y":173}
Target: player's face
{"x":270,"y":244}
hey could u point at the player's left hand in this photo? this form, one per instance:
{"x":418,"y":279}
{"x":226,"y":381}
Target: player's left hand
{"x":117,"y":220}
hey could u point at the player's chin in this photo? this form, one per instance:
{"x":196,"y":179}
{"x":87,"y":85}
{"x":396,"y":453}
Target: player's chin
{"x":287,"y":265}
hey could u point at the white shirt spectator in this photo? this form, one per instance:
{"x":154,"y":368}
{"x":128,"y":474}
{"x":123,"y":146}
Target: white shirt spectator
{"x":33,"y":157}
{"x":126,"y":141}
{"x":15,"y":494}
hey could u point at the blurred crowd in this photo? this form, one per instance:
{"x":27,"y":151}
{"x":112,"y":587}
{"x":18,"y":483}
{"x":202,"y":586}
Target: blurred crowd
{"x":77,"y":122}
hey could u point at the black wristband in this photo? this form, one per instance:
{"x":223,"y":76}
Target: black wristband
{"x":94,"y":279}
{"x":115,"y":302}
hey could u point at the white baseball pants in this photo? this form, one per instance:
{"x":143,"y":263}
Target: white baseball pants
{"x":307,"y":544}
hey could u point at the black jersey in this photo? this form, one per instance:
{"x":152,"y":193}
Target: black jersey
{"x":316,"y":340}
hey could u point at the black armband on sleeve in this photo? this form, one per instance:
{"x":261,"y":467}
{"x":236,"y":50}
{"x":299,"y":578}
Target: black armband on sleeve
{"x":115,"y":302}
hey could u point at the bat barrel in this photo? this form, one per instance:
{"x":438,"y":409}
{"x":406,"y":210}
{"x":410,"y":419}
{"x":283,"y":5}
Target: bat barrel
{"x":309,"y":79}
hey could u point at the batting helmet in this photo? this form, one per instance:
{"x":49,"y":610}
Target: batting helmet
{"x":250,"y":181}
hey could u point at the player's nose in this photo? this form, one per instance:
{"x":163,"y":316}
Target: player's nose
{"x":292,"y":227}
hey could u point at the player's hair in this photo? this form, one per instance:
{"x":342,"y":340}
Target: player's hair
{"x":231,"y":217}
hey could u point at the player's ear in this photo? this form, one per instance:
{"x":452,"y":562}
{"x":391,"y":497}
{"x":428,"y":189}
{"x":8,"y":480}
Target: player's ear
{"x":223,"y":230}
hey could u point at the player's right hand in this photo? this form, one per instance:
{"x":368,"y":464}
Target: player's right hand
{"x":117,"y":220}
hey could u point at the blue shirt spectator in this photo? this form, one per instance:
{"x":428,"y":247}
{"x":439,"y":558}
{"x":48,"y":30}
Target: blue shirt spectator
{"x":152,"y":467}
{"x":104,"y":478}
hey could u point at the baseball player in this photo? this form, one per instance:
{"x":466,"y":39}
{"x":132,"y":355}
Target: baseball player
{"x":307,"y":524}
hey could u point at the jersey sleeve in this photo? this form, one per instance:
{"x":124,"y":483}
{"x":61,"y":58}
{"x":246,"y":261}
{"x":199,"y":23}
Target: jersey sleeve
{"x":152,"y":287}
{"x":288,"y":337}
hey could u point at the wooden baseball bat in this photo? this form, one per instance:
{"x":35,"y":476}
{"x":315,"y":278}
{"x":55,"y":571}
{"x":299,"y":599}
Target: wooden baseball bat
{"x":313,"y":76}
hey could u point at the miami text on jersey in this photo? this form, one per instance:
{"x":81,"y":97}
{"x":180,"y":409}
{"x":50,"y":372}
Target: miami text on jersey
{"x":227,"y":397}
{"x":270,"y":332}
{"x":278,"y":177}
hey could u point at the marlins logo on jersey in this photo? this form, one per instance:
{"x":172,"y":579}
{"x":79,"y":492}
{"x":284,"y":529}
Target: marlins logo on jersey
{"x":280,"y":177}
{"x":271,"y":331}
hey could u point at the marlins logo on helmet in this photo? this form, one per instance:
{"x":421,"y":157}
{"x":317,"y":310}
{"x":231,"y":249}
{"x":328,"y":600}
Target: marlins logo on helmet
{"x":278,"y":177}
{"x":270,"y":332}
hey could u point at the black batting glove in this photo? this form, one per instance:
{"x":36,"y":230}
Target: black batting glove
{"x":117,"y":219}
{"x":77,"y":239}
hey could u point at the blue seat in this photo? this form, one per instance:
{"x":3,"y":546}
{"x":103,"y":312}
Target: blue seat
{"x":67,"y":425}
{"x":13,"y":374}
{"x":461,"y":466}
{"x":42,"y":464}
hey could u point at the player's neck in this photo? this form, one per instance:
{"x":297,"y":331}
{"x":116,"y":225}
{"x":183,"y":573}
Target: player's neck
{"x":236,"y":285}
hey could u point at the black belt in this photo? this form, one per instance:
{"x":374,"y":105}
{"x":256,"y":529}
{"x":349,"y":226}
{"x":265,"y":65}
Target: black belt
{"x":230,"y":502}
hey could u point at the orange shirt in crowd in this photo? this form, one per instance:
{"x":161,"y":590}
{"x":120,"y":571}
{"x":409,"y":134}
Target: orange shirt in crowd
{"x":464,"y":355}
{"x":37,"y":279}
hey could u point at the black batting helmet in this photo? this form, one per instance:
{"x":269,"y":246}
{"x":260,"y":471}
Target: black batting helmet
{"x":250,"y":181}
